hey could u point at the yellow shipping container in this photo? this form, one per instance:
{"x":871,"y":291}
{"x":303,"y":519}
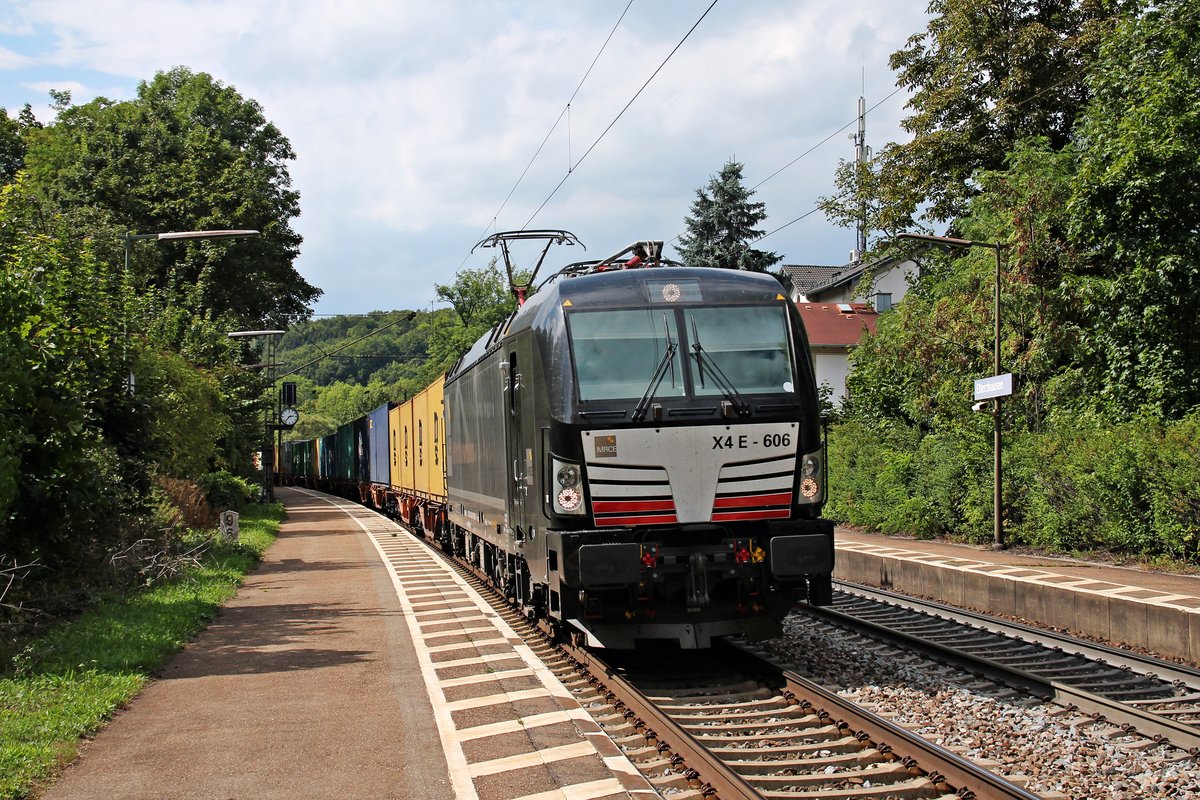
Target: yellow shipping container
{"x":404,"y":481}
{"x":428,"y":442}
{"x":418,"y":444}
{"x":394,"y":445}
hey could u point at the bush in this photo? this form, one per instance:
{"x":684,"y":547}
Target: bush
{"x":226,"y":491}
{"x":1085,"y":484}
{"x":868,"y":475}
{"x":1172,"y":476}
{"x":189,"y":501}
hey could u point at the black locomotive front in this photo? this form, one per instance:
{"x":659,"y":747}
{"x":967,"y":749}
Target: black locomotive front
{"x":658,"y":435}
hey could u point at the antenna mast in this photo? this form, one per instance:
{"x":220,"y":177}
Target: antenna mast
{"x":862,"y":154}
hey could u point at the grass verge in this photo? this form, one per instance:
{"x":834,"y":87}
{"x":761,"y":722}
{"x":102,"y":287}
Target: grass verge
{"x":66,"y":684}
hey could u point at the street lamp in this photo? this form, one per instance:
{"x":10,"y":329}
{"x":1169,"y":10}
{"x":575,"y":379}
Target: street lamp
{"x":130,"y":238}
{"x":175,"y":235}
{"x":994,"y":394}
{"x":267,"y":455}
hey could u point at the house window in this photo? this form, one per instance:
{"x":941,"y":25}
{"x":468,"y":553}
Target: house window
{"x":883,"y":302}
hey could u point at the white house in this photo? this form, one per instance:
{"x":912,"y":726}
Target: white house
{"x":890,"y":278}
{"x":802,"y":278}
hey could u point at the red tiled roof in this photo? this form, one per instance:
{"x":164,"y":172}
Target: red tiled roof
{"x":828,"y":324}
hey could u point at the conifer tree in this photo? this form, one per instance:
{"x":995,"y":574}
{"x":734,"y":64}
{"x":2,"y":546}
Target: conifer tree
{"x":722,"y":224}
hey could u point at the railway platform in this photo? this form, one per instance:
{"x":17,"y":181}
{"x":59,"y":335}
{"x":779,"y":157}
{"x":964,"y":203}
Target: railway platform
{"x":353,"y":663}
{"x":1138,"y":608}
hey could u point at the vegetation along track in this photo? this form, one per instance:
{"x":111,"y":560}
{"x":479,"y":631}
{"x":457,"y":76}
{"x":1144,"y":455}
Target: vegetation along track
{"x":728,"y":724}
{"x":1158,"y":699}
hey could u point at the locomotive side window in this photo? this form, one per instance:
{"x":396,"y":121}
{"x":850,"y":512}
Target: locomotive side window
{"x":617,"y":351}
{"x":748,"y":344}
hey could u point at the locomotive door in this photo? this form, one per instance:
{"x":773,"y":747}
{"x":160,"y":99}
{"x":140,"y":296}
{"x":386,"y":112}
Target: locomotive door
{"x":519,"y":446}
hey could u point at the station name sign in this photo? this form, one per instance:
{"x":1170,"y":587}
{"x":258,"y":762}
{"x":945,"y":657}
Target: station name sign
{"x":995,"y":386}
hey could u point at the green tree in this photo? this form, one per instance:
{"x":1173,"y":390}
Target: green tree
{"x":1135,"y":206}
{"x":189,"y":153}
{"x":186,"y":414}
{"x":722,"y":225}
{"x":66,"y":487}
{"x":865,"y":195}
{"x":920,"y":367}
{"x":984,"y":75}
{"x":481,"y":299}
{"x":12,"y":148}
{"x":480,"y":296}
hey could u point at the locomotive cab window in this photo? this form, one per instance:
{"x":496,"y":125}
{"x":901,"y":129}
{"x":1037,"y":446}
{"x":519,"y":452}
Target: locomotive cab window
{"x":747,"y":344}
{"x":617,"y":350}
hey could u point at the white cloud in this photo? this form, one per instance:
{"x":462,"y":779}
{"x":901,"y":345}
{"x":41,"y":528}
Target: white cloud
{"x":412,"y":120}
{"x":10,"y":60}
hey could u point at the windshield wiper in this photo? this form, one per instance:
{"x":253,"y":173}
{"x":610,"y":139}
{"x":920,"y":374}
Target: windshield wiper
{"x":719,"y":378}
{"x":660,"y":372}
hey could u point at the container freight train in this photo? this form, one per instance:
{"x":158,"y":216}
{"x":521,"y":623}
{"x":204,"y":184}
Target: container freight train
{"x":634,"y":455}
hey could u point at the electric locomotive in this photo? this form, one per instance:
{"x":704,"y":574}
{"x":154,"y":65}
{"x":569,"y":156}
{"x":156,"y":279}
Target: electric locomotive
{"x":635,"y":454}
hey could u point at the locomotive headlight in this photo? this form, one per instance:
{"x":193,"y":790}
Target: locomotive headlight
{"x":568,"y":475}
{"x":811,"y":490}
{"x":568,"y":497}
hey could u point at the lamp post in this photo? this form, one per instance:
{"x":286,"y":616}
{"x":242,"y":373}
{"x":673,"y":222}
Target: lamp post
{"x":267,"y":456}
{"x":130,"y":238}
{"x":175,"y":235}
{"x":997,"y":509}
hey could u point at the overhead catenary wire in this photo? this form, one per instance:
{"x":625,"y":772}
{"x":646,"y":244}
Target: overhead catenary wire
{"x":826,"y":139}
{"x":566,"y":111}
{"x":620,"y":113}
{"x":995,"y":111}
{"x":1070,"y":77}
{"x":795,"y":160}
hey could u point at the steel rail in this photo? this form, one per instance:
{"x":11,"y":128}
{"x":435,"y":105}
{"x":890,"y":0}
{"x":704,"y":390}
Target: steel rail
{"x":955,"y":773}
{"x":1163,"y":729}
{"x":1137,"y":662}
{"x":720,"y":780}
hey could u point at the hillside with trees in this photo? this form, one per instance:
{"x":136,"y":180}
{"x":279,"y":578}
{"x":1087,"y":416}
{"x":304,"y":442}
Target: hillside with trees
{"x":346,"y":366}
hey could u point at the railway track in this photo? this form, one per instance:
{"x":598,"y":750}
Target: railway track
{"x":1158,"y":699}
{"x":753,"y":729}
{"x":730,"y":724}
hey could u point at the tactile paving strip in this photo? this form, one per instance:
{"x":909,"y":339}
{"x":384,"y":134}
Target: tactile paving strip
{"x":508,"y":726}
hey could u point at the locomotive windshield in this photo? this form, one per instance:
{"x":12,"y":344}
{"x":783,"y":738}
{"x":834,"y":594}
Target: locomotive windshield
{"x":616,"y":352}
{"x":748,"y":345}
{"x":727,"y":349}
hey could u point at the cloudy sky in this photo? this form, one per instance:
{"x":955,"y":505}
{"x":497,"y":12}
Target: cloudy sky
{"x":413,"y":120}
